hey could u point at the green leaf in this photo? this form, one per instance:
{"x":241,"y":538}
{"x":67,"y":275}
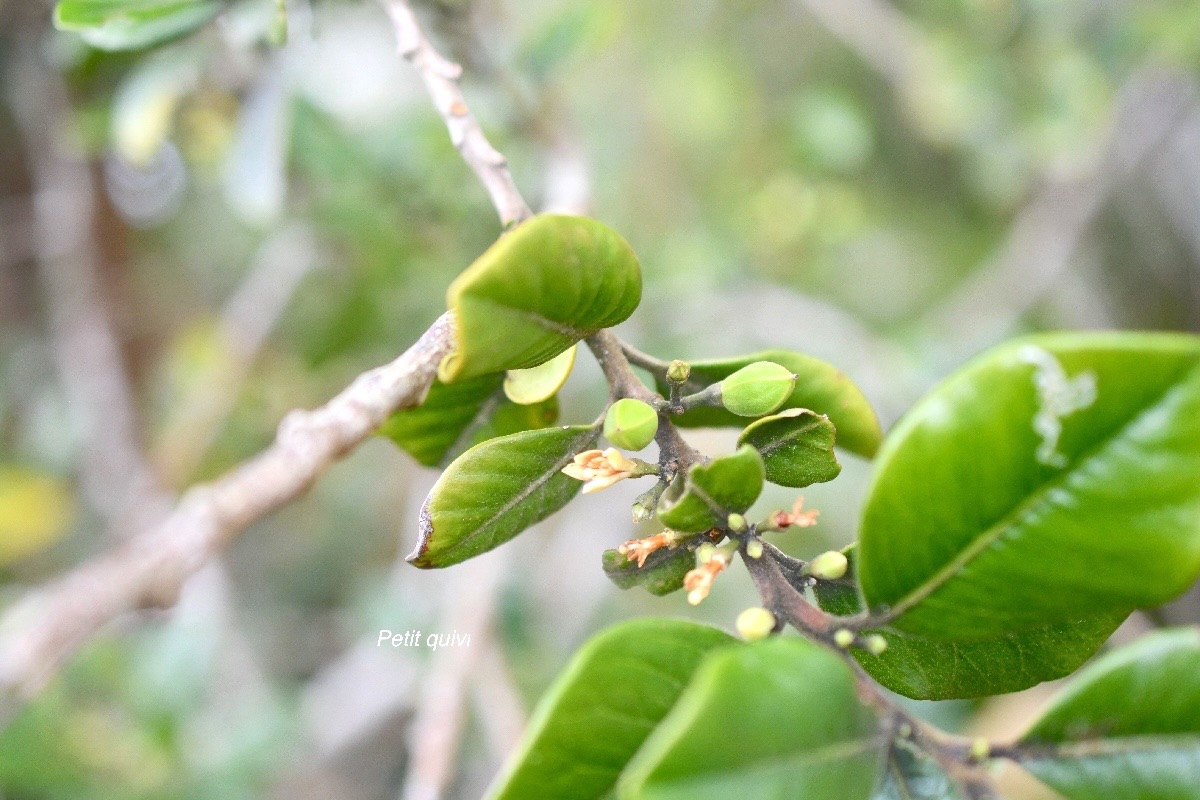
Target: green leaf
{"x":132,"y":24}
{"x":774,"y":719}
{"x":602,"y":707}
{"x":1052,"y":480}
{"x":819,"y":386}
{"x":931,"y":668}
{"x":497,"y":489}
{"x":796,"y":446}
{"x":429,"y":430}
{"x":913,"y":776}
{"x":712,"y":491}
{"x":540,"y":383}
{"x":538,"y":290}
{"x":509,"y":418}
{"x":661,"y":574}
{"x":1127,"y":727}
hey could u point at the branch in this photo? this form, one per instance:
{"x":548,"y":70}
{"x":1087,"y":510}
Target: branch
{"x":441,"y":76}
{"x":47,"y":625}
{"x":959,"y":757}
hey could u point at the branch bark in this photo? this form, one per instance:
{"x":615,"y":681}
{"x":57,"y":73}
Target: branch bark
{"x":47,"y":625}
{"x":441,"y":77}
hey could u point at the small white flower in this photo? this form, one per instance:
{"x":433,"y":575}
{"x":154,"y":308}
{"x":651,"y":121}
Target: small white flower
{"x":601,"y":469}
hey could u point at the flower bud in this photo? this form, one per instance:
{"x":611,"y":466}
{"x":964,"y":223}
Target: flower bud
{"x":754,"y":548}
{"x":828,"y":566}
{"x":630,"y":424}
{"x":678,"y":371}
{"x":755,"y":623}
{"x":705,"y":552}
{"x":875,"y":644}
{"x":736,"y":522}
{"x":757,"y":389}
{"x":843,"y":638}
{"x":980,"y":748}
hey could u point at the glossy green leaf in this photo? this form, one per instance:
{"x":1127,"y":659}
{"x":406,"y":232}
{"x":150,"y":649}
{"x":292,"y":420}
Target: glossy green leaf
{"x":497,"y":489}
{"x":509,"y":418}
{"x":774,"y":719}
{"x":538,"y":290}
{"x":132,"y":24}
{"x":537,"y":384}
{"x":712,"y":491}
{"x":796,"y":446}
{"x":430,"y":430}
{"x":1128,"y":727}
{"x":910,"y":775}
{"x":932,"y":668}
{"x":601,"y":709}
{"x":1052,"y":480}
{"x":819,"y":386}
{"x":662,"y":573}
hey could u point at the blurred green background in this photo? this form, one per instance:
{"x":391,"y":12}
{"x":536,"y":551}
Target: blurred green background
{"x":890,"y":186}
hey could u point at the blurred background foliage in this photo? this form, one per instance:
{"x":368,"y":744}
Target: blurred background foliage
{"x":890,"y":186}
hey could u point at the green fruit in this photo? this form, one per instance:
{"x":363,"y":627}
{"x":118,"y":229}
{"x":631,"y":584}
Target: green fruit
{"x":757,"y":389}
{"x":630,"y":424}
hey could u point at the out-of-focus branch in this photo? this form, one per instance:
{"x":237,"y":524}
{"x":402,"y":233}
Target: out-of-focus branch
{"x":440,"y":76}
{"x":116,"y":477}
{"x":42,"y":629}
{"x":878,"y":33}
{"x":1047,"y":232}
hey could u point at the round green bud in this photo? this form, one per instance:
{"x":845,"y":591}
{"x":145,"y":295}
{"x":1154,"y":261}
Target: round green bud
{"x":736,"y":522}
{"x":705,"y":552}
{"x":630,"y":424}
{"x":755,"y":623}
{"x":875,"y":644}
{"x":678,"y":371}
{"x":828,"y":566}
{"x":757,"y":389}
{"x":843,"y":638}
{"x":980,"y":749}
{"x":754,"y":548}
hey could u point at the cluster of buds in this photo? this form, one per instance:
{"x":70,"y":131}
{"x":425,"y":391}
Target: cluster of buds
{"x":600,"y":469}
{"x":711,"y":561}
{"x":797,"y":517}
{"x":640,"y":549}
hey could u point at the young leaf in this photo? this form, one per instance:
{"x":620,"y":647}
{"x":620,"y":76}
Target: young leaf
{"x":931,"y":668}
{"x":777,"y":718}
{"x":132,"y":24}
{"x":429,"y":430}
{"x":495,"y":490}
{"x":1127,"y":727}
{"x":538,"y":290}
{"x":729,"y":484}
{"x":819,"y":386}
{"x":796,"y":446}
{"x":661,"y":574}
{"x":1052,"y":480}
{"x":602,"y":707}
{"x":536,"y":384}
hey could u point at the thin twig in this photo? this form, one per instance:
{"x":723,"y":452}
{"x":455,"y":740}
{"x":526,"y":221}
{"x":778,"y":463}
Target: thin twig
{"x":441,"y":76}
{"x":47,"y":625}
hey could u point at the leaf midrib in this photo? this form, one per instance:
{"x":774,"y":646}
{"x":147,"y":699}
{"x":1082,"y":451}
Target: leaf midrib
{"x":1112,"y":747}
{"x":1026,"y":506}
